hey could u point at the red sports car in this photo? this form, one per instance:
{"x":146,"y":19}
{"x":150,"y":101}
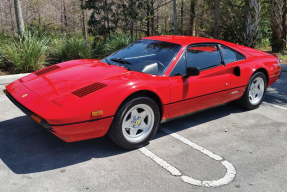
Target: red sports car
{"x":127,"y":94}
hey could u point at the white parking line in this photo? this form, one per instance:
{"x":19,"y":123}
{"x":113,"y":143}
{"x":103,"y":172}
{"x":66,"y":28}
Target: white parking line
{"x":273,"y":105}
{"x":230,"y":169}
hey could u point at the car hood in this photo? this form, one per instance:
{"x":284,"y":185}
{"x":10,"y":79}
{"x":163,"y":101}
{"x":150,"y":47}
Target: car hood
{"x":57,"y":80}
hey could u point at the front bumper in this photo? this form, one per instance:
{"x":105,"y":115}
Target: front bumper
{"x":69,"y":132}
{"x":29,"y":113}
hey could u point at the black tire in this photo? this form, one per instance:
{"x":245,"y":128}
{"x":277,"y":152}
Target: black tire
{"x":244,"y":100}
{"x":116,"y":133}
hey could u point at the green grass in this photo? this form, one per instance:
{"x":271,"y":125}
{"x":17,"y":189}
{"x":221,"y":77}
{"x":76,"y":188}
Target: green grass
{"x":283,"y":57}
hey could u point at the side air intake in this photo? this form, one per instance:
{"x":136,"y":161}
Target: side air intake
{"x":88,"y":89}
{"x":47,"y":70}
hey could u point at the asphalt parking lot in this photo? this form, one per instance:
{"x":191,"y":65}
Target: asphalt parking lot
{"x":187,"y":154}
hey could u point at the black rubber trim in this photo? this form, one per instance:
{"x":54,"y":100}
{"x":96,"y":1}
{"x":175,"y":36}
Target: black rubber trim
{"x":205,"y":95}
{"x":82,"y":121}
{"x":276,"y":76}
{"x":29,"y":113}
{"x":45,"y":123}
{"x":19,"y":105}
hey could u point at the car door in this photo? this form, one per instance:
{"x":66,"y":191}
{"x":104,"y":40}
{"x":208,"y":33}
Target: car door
{"x":189,"y":94}
{"x":233,"y":61}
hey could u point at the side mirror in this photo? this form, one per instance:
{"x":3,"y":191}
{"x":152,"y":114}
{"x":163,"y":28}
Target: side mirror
{"x":192,"y":71}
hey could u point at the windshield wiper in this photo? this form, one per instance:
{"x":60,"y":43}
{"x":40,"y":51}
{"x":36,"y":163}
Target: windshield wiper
{"x":107,"y":61}
{"x":120,"y":60}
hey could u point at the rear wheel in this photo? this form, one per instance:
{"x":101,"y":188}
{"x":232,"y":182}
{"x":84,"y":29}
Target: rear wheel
{"x":135,"y":123}
{"x":255,"y":91}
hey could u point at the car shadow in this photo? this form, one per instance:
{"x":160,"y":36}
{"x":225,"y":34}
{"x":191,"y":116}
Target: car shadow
{"x":26,"y":147}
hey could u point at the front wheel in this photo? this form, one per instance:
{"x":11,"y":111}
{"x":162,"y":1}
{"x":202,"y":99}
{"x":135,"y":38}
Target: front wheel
{"x":255,"y":91}
{"x":135,"y":123}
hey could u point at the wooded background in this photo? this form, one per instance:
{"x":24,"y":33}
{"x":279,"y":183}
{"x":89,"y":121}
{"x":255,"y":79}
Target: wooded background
{"x":248,"y":22}
{"x":254,"y":23}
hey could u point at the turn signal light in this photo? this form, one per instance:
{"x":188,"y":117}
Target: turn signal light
{"x":5,"y":91}
{"x":36,"y":118}
{"x":97,"y":113}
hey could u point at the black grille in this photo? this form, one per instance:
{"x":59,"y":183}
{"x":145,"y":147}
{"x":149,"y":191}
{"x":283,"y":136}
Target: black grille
{"x":88,"y":89}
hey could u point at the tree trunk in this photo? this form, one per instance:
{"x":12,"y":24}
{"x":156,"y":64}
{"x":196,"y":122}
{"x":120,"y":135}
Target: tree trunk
{"x":152,"y":18}
{"x":107,"y":17}
{"x":252,"y":22}
{"x":132,"y":29}
{"x":11,"y":15}
{"x":39,"y":15}
{"x":216,"y":31}
{"x":147,"y":23}
{"x":19,"y":18}
{"x":276,"y":25}
{"x":174,"y":17}
{"x":284,"y":23}
{"x":85,"y":33}
{"x":192,"y":18}
{"x":181,"y":16}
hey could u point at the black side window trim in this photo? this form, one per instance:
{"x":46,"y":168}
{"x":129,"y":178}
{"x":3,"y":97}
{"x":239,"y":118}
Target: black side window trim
{"x":218,"y":47}
{"x":184,"y":52}
{"x":197,"y":44}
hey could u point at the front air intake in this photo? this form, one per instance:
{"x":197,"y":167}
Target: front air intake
{"x":47,"y":70}
{"x":88,"y":89}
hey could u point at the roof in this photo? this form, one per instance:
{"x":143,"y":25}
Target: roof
{"x":182,"y":40}
{"x":187,"y":40}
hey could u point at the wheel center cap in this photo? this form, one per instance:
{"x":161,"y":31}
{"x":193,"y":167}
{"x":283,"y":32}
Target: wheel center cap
{"x":137,"y":122}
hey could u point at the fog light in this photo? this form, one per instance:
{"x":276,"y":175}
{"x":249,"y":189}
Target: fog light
{"x":36,"y":118}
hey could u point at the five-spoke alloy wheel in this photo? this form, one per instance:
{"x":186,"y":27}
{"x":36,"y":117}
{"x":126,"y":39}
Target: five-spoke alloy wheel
{"x":135,"y":123}
{"x":255,"y":91}
{"x":138,"y":123}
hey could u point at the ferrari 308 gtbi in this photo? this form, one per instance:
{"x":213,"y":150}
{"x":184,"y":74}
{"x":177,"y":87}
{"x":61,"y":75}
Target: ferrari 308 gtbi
{"x":127,"y":94}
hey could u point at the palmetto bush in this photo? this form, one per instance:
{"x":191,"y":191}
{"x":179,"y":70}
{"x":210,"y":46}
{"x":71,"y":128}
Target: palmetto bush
{"x":112,"y":44}
{"x":65,"y":49}
{"x":27,"y":54}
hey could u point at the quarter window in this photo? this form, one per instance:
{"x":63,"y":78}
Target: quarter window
{"x":228,"y":55}
{"x":203,"y":56}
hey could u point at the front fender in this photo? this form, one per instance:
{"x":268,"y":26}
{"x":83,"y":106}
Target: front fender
{"x":109,"y":98}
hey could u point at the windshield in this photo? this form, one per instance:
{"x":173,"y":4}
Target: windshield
{"x":147,"y":56}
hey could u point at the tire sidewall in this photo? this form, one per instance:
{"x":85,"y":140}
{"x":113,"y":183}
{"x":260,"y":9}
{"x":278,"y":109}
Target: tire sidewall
{"x":119,"y":118}
{"x":257,"y":74}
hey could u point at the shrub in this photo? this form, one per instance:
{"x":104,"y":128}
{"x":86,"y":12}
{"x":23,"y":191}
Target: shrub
{"x":110,"y":45}
{"x":64,"y":49}
{"x":27,"y":54}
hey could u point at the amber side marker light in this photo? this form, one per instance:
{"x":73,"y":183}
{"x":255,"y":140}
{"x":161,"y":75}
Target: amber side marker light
{"x":36,"y":118}
{"x":97,"y":113}
{"x":5,"y":91}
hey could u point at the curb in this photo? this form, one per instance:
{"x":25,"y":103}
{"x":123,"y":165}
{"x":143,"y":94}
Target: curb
{"x":6,"y":79}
